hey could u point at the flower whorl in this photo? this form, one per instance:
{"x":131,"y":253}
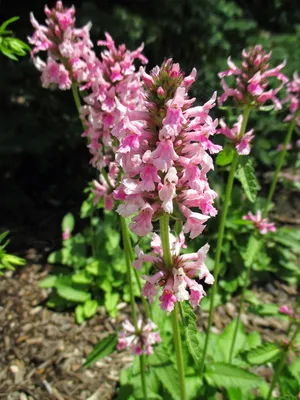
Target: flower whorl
{"x":161,"y":149}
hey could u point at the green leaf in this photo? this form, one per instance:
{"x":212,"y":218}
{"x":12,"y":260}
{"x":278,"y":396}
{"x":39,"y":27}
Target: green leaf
{"x":264,"y":309}
{"x":48,"y":282}
{"x":111,"y":301}
{"x":253,"y":247}
{"x":235,"y":394}
{"x":68,"y":222}
{"x":8,"y":22}
{"x":225,"y":156}
{"x":266,"y":108}
{"x":72,"y":294}
{"x":82,"y":277}
{"x":165,"y":371}
{"x":90,"y":308}
{"x":55,"y":257}
{"x":250,"y":298}
{"x":229,"y":376}
{"x":79,"y":314}
{"x":102,"y":349}
{"x":253,"y":340}
{"x":262,"y":354}
{"x":225,"y":339}
{"x":191,"y":331}
{"x":246,"y":175}
{"x":14,"y":259}
{"x":295,"y":369}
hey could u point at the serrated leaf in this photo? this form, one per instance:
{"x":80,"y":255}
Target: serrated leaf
{"x":225,"y":156}
{"x":262,"y":354}
{"x":253,"y":340}
{"x":294,"y":369}
{"x":227,"y":376}
{"x":102,"y":349}
{"x":165,"y":371}
{"x":253,"y":247}
{"x":72,"y":294}
{"x":246,"y":175}
{"x":226,"y":338}
{"x":191,"y":331}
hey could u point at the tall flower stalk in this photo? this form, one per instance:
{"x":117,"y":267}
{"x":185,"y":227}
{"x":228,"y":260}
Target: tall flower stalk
{"x":221,"y":236}
{"x":164,"y":232}
{"x":249,"y":91}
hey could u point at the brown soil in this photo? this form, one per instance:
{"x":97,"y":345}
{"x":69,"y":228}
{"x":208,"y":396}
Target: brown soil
{"x":42,"y":350}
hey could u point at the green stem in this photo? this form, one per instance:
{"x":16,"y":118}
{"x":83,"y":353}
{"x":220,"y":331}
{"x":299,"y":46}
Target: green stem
{"x":178,"y":350}
{"x":164,"y":234}
{"x":78,"y":103}
{"x":128,"y":257}
{"x":241,"y":306}
{"x":127,"y":245}
{"x":221,"y":236}
{"x":143,"y":375}
{"x":282,"y":362}
{"x":280,"y":163}
{"x":218,"y":254}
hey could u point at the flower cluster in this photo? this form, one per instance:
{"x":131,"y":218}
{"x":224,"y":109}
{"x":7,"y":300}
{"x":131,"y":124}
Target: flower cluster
{"x":252,"y":79}
{"x":242,"y":144}
{"x":69,"y":50}
{"x":109,"y":80}
{"x":140,"y":341}
{"x":262,"y":224}
{"x":293,"y":97}
{"x":163,"y":153}
{"x":114,"y":81}
{"x":181,"y":281}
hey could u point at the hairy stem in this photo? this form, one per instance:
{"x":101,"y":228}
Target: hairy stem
{"x":127,"y":246}
{"x":164,"y":234}
{"x":143,"y":375}
{"x":128,"y":258}
{"x":282,"y":362}
{"x":280,"y":163}
{"x":221,"y":236}
{"x":241,"y":306}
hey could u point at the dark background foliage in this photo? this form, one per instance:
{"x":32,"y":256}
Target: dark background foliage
{"x":43,"y":160}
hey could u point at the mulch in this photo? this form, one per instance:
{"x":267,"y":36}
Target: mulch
{"x":42,"y":350}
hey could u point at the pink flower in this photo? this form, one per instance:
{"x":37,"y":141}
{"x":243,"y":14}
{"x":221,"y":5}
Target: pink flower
{"x":167,"y":300}
{"x":171,"y":157}
{"x":293,"y":98}
{"x":66,"y":234}
{"x":280,"y":147}
{"x":242,"y":144}
{"x":140,"y":341}
{"x":252,"y":79}
{"x":262,"y":224}
{"x":178,"y":282}
{"x":142,"y":224}
{"x":286,"y":310}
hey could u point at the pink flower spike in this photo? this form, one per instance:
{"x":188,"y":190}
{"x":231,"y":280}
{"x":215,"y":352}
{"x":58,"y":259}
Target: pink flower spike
{"x":252,"y":79}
